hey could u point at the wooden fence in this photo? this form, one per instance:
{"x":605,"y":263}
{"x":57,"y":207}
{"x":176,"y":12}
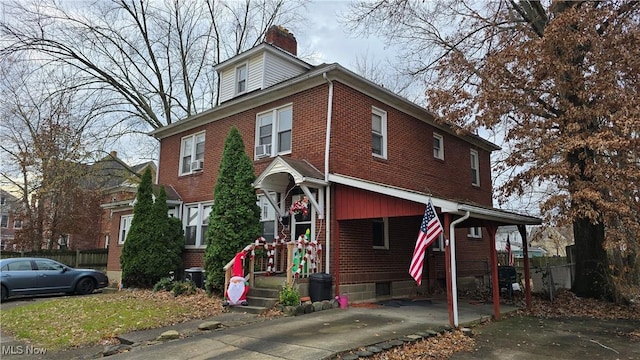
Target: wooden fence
{"x":92,"y":259}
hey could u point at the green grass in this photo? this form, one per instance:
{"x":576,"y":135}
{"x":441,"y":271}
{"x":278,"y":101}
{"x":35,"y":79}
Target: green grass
{"x":79,"y":321}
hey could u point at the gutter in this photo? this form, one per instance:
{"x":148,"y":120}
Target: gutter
{"x":327,"y":193}
{"x":454,"y":274}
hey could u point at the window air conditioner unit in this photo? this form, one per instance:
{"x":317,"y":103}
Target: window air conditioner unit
{"x":197,"y":165}
{"x":263,"y":150}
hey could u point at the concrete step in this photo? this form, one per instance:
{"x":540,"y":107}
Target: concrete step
{"x":264,"y":302}
{"x":250,"y":309}
{"x":264,"y":292}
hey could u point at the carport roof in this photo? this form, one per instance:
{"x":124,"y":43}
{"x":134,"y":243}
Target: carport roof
{"x":478,"y":213}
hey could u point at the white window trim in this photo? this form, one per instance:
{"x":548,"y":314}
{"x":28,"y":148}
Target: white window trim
{"x":474,"y":232}
{"x":17,"y":224}
{"x":385,"y":224}
{"x":475,"y":166}
{"x":383,"y":116}
{"x":121,"y":239}
{"x":440,"y":156}
{"x":193,"y":151}
{"x":2,"y":217}
{"x":262,"y":201}
{"x":237,"y":80}
{"x":200,"y":236}
{"x":274,"y":131}
{"x":438,"y":244}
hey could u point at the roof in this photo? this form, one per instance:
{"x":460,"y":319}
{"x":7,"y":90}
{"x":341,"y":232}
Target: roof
{"x":477,"y":212}
{"x":316,"y":76}
{"x":257,"y":49}
{"x":276,"y":175}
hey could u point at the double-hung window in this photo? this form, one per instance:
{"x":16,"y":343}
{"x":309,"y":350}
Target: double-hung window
{"x":438,"y":244}
{"x":192,"y":153}
{"x":196,"y":223}
{"x":273,"y":132}
{"x":475,"y":232}
{"x":475,"y":168}
{"x":125,"y":225}
{"x":438,"y":147}
{"x":5,"y":221}
{"x":379,"y":133}
{"x":241,"y":79}
{"x":17,"y":224}
{"x":380,"y":231}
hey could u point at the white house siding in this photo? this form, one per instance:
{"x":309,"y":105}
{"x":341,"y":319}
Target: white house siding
{"x":227,"y":84}
{"x":254,"y":80}
{"x":277,"y":69}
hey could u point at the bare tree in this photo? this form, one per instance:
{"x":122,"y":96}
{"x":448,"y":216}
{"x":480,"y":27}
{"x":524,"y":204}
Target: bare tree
{"x":154,"y":58}
{"x":560,"y":80}
{"x":45,"y":135}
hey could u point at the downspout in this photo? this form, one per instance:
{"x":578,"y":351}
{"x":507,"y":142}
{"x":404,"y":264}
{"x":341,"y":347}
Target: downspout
{"x":327,"y":193}
{"x":454,"y":272}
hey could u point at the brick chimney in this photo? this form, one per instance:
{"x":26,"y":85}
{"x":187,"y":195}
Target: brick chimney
{"x":282,"y":38}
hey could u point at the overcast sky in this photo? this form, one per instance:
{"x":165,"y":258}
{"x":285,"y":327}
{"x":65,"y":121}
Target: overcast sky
{"x":329,"y":41}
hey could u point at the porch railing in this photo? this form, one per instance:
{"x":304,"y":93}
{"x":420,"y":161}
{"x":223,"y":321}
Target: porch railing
{"x":298,"y":259}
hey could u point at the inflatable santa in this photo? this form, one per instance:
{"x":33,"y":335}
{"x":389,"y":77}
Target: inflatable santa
{"x":237,"y":291}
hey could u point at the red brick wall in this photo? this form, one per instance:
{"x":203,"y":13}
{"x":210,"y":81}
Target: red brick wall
{"x":309,"y":122}
{"x":363,"y":264}
{"x":410,"y":163}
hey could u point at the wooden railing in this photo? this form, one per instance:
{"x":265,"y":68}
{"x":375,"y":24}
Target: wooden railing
{"x":297,"y":259}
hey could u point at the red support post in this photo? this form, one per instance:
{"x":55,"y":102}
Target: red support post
{"x":447,"y":267}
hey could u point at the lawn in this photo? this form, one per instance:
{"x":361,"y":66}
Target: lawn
{"x":68,"y":322}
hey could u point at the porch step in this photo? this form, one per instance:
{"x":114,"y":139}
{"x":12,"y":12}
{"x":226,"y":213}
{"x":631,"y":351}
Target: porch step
{"x":260,"y":300}
{"x":250,"y":309}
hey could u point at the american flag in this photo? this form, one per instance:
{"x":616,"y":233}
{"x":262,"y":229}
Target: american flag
{"x":429,"y":232}
{"x":510,"y":259}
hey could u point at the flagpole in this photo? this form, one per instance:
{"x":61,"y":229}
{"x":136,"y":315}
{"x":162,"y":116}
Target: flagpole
{"x":454,"y":282}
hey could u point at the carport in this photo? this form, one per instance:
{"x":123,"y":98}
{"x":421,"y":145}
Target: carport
{"x":458,"y":214}
{"x":468,"y":215}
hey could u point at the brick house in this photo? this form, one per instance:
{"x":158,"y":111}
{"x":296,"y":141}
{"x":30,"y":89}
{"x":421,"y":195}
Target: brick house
{"x":9,"y":224}
{"x":367,"y":160}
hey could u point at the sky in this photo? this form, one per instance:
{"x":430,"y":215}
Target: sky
{"x":330,"y":41}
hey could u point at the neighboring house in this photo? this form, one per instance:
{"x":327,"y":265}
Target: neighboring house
{"x":553,"y":240}
{"x":81,"y":225}
{"x":8,"y":222}
{"x":367,"y":159}
{"x":515,"y":238}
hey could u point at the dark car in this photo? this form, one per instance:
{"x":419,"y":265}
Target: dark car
{"x":34,"y":276}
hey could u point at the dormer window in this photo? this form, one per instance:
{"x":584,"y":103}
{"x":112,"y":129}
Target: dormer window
{"x":241,"y":79}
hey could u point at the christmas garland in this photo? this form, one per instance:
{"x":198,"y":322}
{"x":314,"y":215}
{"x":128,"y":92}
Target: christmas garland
{"x":270,"y":249}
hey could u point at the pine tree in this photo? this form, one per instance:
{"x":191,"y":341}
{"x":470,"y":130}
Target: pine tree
{"x":154,"y":243}
{"x":235,"y":217}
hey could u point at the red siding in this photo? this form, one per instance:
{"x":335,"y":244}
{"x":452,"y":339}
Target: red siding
{"x":353,"y":203}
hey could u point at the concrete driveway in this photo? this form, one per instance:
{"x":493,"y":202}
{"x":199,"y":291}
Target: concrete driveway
{"x":530,"y":338}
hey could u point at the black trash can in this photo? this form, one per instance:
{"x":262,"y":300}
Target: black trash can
{"x":195,"y":275}
{"x":320,"y":287}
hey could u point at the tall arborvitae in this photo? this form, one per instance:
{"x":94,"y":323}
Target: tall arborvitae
{"x":153,"y":245}
{"x":235,"y":217}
